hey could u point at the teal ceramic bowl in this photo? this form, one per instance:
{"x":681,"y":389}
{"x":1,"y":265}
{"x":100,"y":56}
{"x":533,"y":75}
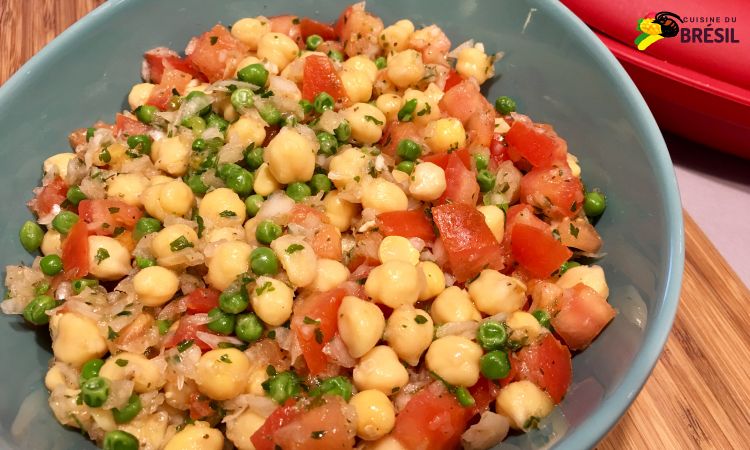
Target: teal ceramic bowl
{"x":553,"y":66}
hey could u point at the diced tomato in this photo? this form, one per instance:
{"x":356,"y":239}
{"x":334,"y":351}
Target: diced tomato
{"x":453,"y":79}
{"x":338,"y":28}
{"x":321,"y":308}
{"x":547,"y":364}
{"x":75,"y":252}
{"x":309,"y":27}
{"x":128,"y":126}
{"x":323,"y":427}
{"x":365,"y":250}
{"x":583,"y":315}
{"x":202,"y":300}
{"x":318,"y":76}
{"x":498,"y":152}
{"x":409,"y":224}
{"x":290,"y":26}
{"x":461,"y":183}
{"x":216,"y":53}
{"x":537,"y":250}
{"x":50,"y":195}
{"x":104,"y":216}
{"x":468,"y":241}
{"x":262,"y":439}
{"x":395,"y":132}
{"x":555,"y":190}
{"x":161,"y":58}
{"x":537,"y":143}
{"x":200,"y":406}
{"x":187,"y":331}
{"x":484,"y":393}
{"x":431,"y":420}
{"x":126,"y":239}
{"x":172,"y":80}
{"x":327,"y":242}
{"x":442,"y":159}
{"x":466,"y":103}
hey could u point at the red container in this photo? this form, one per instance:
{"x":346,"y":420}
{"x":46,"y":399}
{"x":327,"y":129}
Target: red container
{"x":700,"y":90}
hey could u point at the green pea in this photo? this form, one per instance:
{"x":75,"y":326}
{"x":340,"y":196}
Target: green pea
{"x":254,"y":157}
{"x":463,"y":396}
{"x":163,"y":326}
{"x":221,"y":322}
{"x":594,"y":203}
{"x":216,"y":121}
{"x":406,"y":166}
{"x":249,"y":328}
{"x":282,"y":386}
{"x":128,"y":412}
{"x":90,"y":133}
{"x":567,"y":265}
{"x":51,"y":265}
{"x":141,"y":142}
{"x":336,"y":55}
{"x":543,"y":318}
{"x":64,"y":221}
{"x":195,"y":123}
{"x":144,"y":226}
{"x":41,"y":287}
{"x":320,"y":183}
{"x":263,"y":261}
{"x":146,"y":113}
{"x":227,"y":170}
{"x":408,"y":150}
{"x":95,"y":391}
{"x":313,"y":41}
{"x":381,"y":62}
{"x":339,"y":385}
{"x":253,"y":203}
{"x":323,"y":102}
{"x":267,"y":232}
{"x":30,"y":235}
{"x":481,"y":161}
{"x":254,"y":74}
{"x":298,"y":191}
{"x":492,"y":335}
{"x":199,"y":145}
{"x":241,"y":182}
{"x":306,"y":105}
{"x":343,"y":132}
{"x":90,"y":369}
{"x":75,"y":195}
{"x":233,"y":302}
{"x":120,"y":440}
{"x":290,"y":120}
{"x":505,"y":105}
{"x":210,"y":161}
{"x":242,"y":99}
{"x":196,"y":184}
{"x":406,"y":113}
{"x":270,"y":114}
{"x":328,"y":143}
{"x":82,"y":283}
{"x":495,"y":365}
{"x":35,"y":311}
{"x":174,"y":103}
{"x":142,"y":262}
{"x":486,"y":180}
{"x":198,"y":94}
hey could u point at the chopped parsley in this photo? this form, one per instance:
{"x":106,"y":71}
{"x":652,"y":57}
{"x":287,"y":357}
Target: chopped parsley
{"x":225,"y":359}
{"x":294,"y":248}
{"x":184,"y":345}
{"x":310,"y":321}
{"x":121,"y":362}
{"x":266,"y":287}
{"x":101,"y":255}
{"x":179,"y":244}
{"x":426,"y":110}
{"x":227,"y":213}
{"x":112,"y":334}
{"x":318,"y":336}
{"x":574,"y":230}
{"x":201,"y":226}
{"x":420,"y":319}
{"x":406,"y":111}
{"x":374,"y":120}
{"x":114,"y":210}
{"x":214,"y":40}
{"x":105,"y":156}
{"x":317,"y":434}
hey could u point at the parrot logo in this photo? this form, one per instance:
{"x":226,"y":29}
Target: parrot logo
{"x":655,"y":27}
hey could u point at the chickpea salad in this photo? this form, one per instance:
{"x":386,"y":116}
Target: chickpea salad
{"x":305,"y":235}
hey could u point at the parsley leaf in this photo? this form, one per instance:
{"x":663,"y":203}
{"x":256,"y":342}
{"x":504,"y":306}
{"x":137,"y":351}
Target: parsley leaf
{"x":420,"y":319}
{"x":227,"y":213}
{"x":184,"y":345}
{"x":266,"y":287}
{"x":374,"y":120}
{"x":294,"y":248}
{"x":179,"y":244}
{"x":574,"y":230}
{"x":225,"y":359}
{"x":101,"y":255}
{"x":121,"y":362}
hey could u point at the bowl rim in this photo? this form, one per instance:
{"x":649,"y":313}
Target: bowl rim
{"x":594,"y":428}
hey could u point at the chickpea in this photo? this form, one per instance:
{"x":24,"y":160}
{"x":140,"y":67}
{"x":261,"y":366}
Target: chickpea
{"x":494,"y":217}
{"x":272,"y":301}
{"x":405,"y":68}
{"x":224,"y":234}
{"x":386,"y":443}
{"x":76,"y":339}
{"x":360,"y":325}
{"x":389,"y":104}
{"x":339,"y":211}
{"x":108,"y":258}
{"x":216,"y":202}
{"x":144,"y":372}
{"x":394,"y":283}
{"x":434,"y":280}
{"x":348,"y":166}
{"x":383,"y":196}
{"x":167,"y":197}
{"x":221,"y":374}
{"x":58,"y":163}
{"x":524,"y":327}
{"x":429,"y":182}
{"x":52,"y":243}
{"x":161,"y":246}
{"x":240,"y":430}
{"x":591,"y":276}
{"x":196,"y":436}
{"x":329,"y":274}
{"x":396,"y":37}
{"x":380,"y":369}
{"x":362,"y":63}
{"x":366,"y":121}
{"x":455,"y":359}
{"x":494,"y":292}
{"x":357,"y":85}
{"x":265,"y":184}
{"x":473,"y":62}
{"x":139,"y":94}
{"x":290,"y":156}
{"x":443,"y":135}
{"x":55,"y":378}
{"x":246,"y":131}
{"x":397,"y":248}
{"x":278,"y":48}
{"x":155,"y":285}
{"x":298,"y":259}
{"x":127,"y":187}
{"x":454,"y":305}
{"x":250,"y":30}
{"x":427,"y":108}
{"x":171,"y":155}
{"x":230,"y":259}
{"x":409,"y":333}
{"x":520,"y":401}
{"x":375,"y":414}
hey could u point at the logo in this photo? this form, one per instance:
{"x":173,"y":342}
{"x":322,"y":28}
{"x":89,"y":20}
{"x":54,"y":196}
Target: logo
{"x":656,"y":27}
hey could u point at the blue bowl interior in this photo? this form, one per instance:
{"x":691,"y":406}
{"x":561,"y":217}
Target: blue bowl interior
{"x":553,"y":66}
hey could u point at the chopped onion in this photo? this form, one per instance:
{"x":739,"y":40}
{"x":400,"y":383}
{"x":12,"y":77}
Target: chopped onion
{"x":213,"y":340}
{"x":491,"y":429}
{"x":466,"y":329}
{"x":339,"y":354}
{"x":278,"y":204}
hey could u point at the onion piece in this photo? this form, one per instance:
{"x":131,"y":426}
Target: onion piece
{"x":491,"y":429}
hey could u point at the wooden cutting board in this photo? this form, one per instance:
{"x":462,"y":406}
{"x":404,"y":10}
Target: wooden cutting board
{"x":699,"y":393}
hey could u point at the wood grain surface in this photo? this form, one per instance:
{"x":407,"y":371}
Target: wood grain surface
{"x":698,"y":396}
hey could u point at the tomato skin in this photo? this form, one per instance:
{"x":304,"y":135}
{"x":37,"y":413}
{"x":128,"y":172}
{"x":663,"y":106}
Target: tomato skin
{"x":103,"y":216}
{"x":453,"y":79}
{"x":409,"y":224}
{"x":338,"y":432}
{"x":322,"y":307}
{"x":431,"y":420}
{"x":461,"y":183}
{"x":396,"y":131}
{"x":172,"y":80}
{"x":537,"y":250}
{"x":202,"y":300}
{"x":54,"y":193}
{"x":200,"y":406}
{"x":583,"y":315}
{"x":556,"y":191}
{"x":309,"y":27}
{"x":219,"y":59}
{"x":468,"y":241}
{"x":161,"y":58}
{"x":484,"y":393}
{"x":75,"y":252}
{"x":319,"y":75}
{"x":538,"y":144}
{"x":286,"y":25}
{"x":187,"y":330}
{"x":262,"y":439}
{"x":129,"y":127}
{"x":547,"y":364}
